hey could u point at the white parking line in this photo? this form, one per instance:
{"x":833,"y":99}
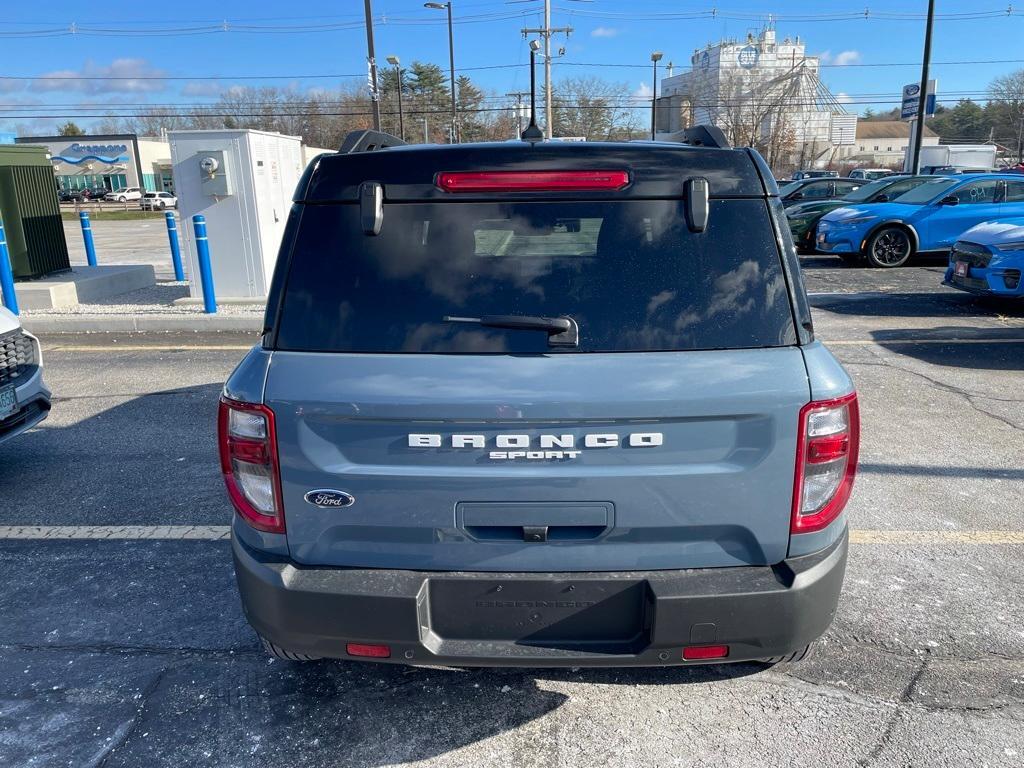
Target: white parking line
{"x":221,"y":532}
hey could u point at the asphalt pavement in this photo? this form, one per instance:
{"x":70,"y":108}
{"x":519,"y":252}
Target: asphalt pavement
{"x":122,"y":641}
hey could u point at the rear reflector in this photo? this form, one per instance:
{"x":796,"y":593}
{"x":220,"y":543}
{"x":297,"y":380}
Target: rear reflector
{"x":696,"y":652}
{"x":371,"y":651}
{"x":828,"y":439}
{"x":531,"y":181}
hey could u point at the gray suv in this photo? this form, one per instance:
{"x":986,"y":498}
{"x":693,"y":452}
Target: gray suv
{"x":538,"y":404}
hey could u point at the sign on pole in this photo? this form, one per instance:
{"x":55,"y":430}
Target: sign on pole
{"x":911,"y":96}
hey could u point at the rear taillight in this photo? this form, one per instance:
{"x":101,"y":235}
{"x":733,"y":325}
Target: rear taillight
{"x":248,"y":459}
{"x":828,"y":439}
{"x":531,"y":181}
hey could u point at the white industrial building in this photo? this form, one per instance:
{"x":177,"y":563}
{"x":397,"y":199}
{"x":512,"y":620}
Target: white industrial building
{"x":762,"y":93}
{"x":883,"y":143}
{"x":242,"y":182}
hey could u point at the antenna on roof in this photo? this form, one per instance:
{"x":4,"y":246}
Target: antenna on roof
{"x":532,"y":132}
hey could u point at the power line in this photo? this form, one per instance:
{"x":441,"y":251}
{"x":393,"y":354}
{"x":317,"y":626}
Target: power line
{"x":322,"y":24}
{"x":366,"y":112}
{"x":361,"y":75}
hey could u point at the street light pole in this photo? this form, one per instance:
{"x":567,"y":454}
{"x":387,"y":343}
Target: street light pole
{"x":454,"y":130}
{"x":393,"y":60}
{"x":655,"y":58}
{"x":371,"y":58}
{"x":922,"y":100}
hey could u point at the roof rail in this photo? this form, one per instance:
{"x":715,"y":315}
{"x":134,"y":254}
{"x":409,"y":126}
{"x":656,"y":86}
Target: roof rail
{"x":368,"y":141}
{"x":705,"y":136}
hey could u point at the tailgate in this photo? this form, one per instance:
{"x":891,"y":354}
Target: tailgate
{"x":596,"y":462}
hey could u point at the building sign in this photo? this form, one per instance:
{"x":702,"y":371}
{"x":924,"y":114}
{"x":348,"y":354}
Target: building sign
{"x":911,"y":97}
{"x":748,"y":56}
{"x":77,"y":154}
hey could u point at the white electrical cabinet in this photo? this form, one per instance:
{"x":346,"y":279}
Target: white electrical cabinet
{"x":242,"y":181}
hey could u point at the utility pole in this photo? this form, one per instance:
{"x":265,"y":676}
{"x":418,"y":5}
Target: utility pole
{"x":546,"y":34}
{"x":518,"y":96}
{"x":922,"y":101}
{"x":371,"y":59}
{"x":453,"y":132}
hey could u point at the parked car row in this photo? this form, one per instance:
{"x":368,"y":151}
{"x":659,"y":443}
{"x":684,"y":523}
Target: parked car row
{"x":148,"y":201}
{"x":887,"y":222}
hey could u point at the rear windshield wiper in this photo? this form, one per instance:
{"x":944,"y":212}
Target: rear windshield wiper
{"x":562,"y":331}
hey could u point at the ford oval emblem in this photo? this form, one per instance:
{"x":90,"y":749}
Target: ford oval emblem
{"x":326,"y":498}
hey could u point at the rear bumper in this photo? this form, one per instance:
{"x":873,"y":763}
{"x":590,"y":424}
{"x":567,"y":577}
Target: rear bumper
{"x":640,"y":618}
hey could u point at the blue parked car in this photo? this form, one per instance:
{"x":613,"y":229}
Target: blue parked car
{"x":988,"y":259}
{"x":930,"y":217}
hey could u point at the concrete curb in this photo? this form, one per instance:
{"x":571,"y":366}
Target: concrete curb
{"x":141,"y":323}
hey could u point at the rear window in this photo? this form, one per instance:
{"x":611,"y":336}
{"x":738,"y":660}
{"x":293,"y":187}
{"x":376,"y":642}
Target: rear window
{"x":630,"y":273}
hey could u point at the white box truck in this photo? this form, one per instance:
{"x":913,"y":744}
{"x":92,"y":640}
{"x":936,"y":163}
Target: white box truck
{"x":960,"y":157}
{"x":242,"y":181}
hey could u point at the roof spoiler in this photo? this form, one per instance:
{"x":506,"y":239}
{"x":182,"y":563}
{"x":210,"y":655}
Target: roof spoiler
{"x":705,"y":136}
{"x":368,"y":141}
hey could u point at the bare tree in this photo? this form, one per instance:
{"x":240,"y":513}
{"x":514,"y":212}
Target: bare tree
{"x":594,"y":108}
{"x":1008,"y":94}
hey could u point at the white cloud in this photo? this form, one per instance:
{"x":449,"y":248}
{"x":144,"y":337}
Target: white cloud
{"x":604,"y":32}
{"x":845,"y":58}
{"x":843,"y":97}
{"x":643,"y":93}
{"x":132,"y":76}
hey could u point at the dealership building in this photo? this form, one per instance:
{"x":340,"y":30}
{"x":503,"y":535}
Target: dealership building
{"x":113,"y":161}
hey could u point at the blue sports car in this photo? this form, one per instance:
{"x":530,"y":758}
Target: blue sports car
{"x":930,"y":217}
{"x":988,"y":259}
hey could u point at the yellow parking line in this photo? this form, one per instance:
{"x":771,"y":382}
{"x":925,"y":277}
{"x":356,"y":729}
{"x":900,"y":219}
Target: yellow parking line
{"x":866,"y":536}
{"x":149,"y":348}
{"x":106,"y":348}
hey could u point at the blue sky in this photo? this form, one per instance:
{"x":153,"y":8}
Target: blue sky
{"x":611,"y":39}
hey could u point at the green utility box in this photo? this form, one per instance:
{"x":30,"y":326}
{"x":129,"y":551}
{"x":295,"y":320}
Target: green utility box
{"x":28,"y":204}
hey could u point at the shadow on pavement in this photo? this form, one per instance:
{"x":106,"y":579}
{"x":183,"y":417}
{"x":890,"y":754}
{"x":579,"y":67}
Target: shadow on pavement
{"x":994,"y":349}
{"x":916,"y":470}
{"x":896,"y":304}
{"x":151,"y":460}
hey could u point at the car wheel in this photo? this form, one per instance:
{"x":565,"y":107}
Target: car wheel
{"x":162,"y":205}
{"x":889,"y":247}
{"x":122,"y":199}
{"x":790,"y":658}
{"x":280,"y":653}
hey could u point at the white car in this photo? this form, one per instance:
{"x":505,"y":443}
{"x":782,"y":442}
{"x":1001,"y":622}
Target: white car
{"x":871,"y":174}
{"x":124,"y":195}
{"x":158,"y":201}
{"x":24,"y":398}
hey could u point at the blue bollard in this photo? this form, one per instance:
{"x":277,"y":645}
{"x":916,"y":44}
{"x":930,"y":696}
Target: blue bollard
{"x":6,"y":275}
{"x":90,"y":247}
{"x":172,"y":236}
{"x":205,"y":270}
